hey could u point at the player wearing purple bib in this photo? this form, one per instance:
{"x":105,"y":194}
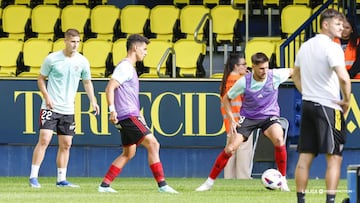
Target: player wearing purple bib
{"x":122,"y":93}
{"x":259,"y":110}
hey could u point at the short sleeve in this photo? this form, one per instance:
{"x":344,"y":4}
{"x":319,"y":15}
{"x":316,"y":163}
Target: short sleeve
{"x":237,"y":89}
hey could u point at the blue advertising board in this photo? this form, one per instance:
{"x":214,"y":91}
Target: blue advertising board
{"x":181,"y":113}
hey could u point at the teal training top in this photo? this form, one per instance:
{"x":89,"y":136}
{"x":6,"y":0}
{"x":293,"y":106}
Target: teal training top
{"x":64,"y":74}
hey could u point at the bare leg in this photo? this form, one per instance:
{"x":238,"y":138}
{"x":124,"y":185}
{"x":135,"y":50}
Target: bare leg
{"x":302,"y":171}
{"x":332,"y":173}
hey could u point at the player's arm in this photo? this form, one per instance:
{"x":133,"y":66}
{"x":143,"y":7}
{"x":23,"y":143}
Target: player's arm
{"x":109,"y":90}
{"x":41,"y":82}
{"x":296,"y":77}
{"x":89,"y":88}
{"x":345,"y":86}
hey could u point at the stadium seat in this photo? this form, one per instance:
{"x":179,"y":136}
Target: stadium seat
{"x":10,"y":52}
{"x":133,"y":19}
{"x":163,"y":19}
{"x":292,"y":17}
{"x":58,"y":3}
{"x":189,"y":56}
{"x":44,"y":18}
{"x":119,"y":51}
{"x":257,"y":45}
{"x":264,"y":148}
{"x":103,"y":21}
{"x":34,"y":52}
{"x":15,"y":20}
{"x":190,"y":17}
{"x":226,"y":19}
{"x":97,"y":51}
{"x":156,"y":49}
{"x":75,"y":16}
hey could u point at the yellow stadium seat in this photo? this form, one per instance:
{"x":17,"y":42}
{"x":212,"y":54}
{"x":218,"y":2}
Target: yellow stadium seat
{"x":15,"y":19}
{"x":217,"y":75}
{"x":44,"y":18}
{"x":225,"y":19}
{"x":133,"y":19}
{"x":190,"y":17}
{"x":189,"y":57}
{"x":10,"y":53}
{"x":34,"y":51}
{"x":254,"y":46}
{"x":163,"y":19}
{"x":75,"y":16}
{"x":97,"y":51}
{"x":156,"y":49}
{"x":119,"y":51}
{"x":293,"y":16}
{"x":103,"y":20}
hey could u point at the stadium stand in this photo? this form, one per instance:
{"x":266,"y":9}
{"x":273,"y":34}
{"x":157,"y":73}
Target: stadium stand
{"x":104,"y":22}
{"x":34,"y":52}
{"x":163,"y":22}
{"x":97,"y":51}
{"x":44,"y":18}
{"x":10,"y":52}
{"x":15,"y":20}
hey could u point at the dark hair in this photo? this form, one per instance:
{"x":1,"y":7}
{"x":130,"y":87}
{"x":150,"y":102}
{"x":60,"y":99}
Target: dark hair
{"x":354,"y":36}
{"x":259,"y":58}
{"x":330,"y":13}
{"x":71,"y":33}
{"x":135,"y":38}
{"x":232,"y":60}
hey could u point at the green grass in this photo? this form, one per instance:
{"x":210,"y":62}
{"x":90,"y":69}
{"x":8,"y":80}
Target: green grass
{"x":16,"y":189}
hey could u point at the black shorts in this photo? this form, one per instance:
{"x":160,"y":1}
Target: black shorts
{"x":133,"y":130}
{"x":61,"y":124}
{"x":322,"y":130}
{"x":247,"y":126}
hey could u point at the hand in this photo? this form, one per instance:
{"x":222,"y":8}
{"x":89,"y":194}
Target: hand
{"x":234,"y":125}
{"x":96,"y":109}
{"x":49,"y":104}
{"x":344,"y":105}
{"x":113,"y":117}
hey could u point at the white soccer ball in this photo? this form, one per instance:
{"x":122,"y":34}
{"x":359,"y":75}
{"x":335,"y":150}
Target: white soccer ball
{"x":271,"y":178}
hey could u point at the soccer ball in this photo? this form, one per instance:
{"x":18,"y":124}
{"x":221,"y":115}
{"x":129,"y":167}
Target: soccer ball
{"x":271,"y":178}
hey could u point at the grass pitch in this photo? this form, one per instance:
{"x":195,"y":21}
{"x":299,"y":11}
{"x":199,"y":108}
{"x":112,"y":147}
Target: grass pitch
{"x":16,"y":189}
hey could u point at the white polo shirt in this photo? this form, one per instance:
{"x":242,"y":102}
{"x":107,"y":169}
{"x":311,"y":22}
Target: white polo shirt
{"x":317,"y":59}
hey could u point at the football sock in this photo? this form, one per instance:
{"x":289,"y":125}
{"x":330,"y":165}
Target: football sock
{"x":34,"y":171}
{"x":219,"y":164}
{"x":158,"y":173}
{"x":61,"y":174}
{"x":111,"y":174}
{"x":281,"y":158}
{"x":330,"y":198}
{"x":300,"y":197}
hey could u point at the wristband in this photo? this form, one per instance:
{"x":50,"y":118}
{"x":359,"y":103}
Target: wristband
{"x":111,"y":108}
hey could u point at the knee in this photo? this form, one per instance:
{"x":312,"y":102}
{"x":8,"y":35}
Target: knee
{"x":154,"y":145}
